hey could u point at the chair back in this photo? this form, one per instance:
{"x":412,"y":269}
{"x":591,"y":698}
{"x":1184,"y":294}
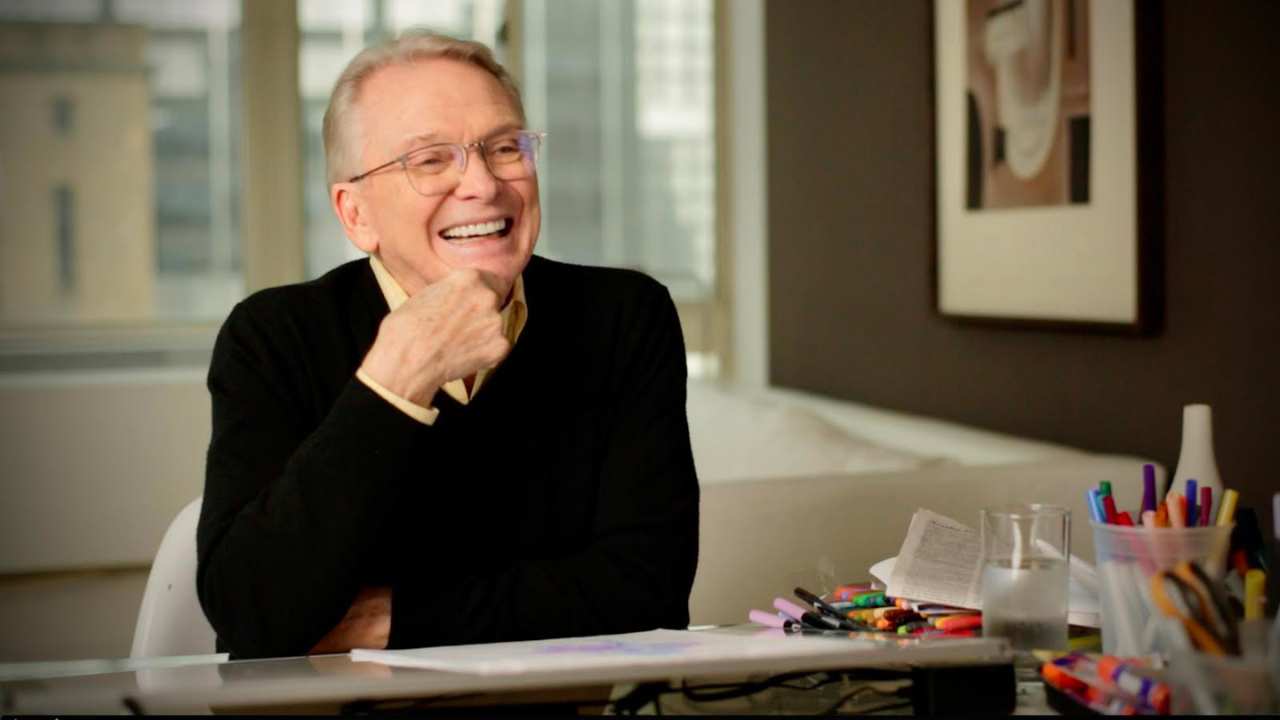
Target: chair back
{"x":171,"y":621}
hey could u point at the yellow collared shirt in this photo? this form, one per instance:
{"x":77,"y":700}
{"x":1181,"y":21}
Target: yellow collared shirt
{"x":514,"y":316}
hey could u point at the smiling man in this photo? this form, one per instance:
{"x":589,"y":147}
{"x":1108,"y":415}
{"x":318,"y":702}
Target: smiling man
{"x":453,"y":440}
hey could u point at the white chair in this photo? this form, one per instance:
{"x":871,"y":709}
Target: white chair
{"x":171,"y":621}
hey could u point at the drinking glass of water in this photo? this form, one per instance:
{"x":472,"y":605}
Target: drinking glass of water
{"x":1024,"y":575}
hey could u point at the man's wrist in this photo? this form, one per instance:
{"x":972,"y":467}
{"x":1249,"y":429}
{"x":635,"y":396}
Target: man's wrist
{"x":422,"y":412}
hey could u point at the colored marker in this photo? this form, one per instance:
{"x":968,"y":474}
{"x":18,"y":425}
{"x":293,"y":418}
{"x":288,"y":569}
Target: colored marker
{"x":773,"y":620}
{"x":1177,"y":515}
{"x":1124,"y":519}
{"x":1255,"y":584}
{"x":1109,"y":503}
{"x":1148,"y":487}
{"x":1150,"y":692}
{"x":824,"y":608}
{"x":1095,"y":511}
{"x":889,"y":613}
{"x":846,"y":592}
{"x":1227,"y":513}
{"x":1149,"y":518}
{"x":959,"y":622}
{"x":913,"y":626}
{"x":1191,"y":513}
{"x":865,"y":615}
{"x":809,"y":619}
{"x":1104,"y":487}
{"x":876,"y":599}
{"x":1206,"y":506}
{"x":1162,"y":515}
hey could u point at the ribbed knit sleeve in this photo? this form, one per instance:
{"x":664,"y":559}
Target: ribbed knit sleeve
{"x":290,"y":506}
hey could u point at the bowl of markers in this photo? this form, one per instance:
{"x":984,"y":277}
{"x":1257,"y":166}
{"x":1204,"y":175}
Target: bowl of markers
{"x":1159,"y":569}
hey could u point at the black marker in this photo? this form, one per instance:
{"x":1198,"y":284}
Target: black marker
{"x":826,"y":610}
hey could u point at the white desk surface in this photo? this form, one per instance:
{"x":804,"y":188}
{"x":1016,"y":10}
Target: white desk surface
{"x":194,"y":685}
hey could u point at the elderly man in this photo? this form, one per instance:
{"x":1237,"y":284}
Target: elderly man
{"x":452,"y":441}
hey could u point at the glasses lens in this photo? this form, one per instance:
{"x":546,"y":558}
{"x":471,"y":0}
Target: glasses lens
{"x":429,"y":169}
{"x":512,"y":157}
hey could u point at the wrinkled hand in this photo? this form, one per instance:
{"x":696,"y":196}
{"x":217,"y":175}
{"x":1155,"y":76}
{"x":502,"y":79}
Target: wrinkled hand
{"x":449,"y":330}
{"x":366,"y":625}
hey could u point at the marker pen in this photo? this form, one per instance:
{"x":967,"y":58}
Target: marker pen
{"x":1227,"y":513}
{"x":1176,"y":517}
{"x":1091,"y":502}
{"x":1190,"y":515}
{"x":1148,"y":487}
{"x":823,"y":608}
{"x":809,"y":619}
{"x":959,"y":622}
{"x":1109,"y":504}
{"x":773,"y":620}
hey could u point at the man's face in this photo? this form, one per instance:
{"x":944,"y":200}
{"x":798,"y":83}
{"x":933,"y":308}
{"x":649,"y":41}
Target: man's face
{"x":403,"y":107}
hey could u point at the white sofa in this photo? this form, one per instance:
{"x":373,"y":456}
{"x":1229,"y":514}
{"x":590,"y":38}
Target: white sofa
{"x":802,"y":490}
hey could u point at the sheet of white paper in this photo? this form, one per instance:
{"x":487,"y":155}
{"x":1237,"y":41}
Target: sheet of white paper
{"x":883,"y":570}
{"x":654,"y":647}
{"x":938,"y":562}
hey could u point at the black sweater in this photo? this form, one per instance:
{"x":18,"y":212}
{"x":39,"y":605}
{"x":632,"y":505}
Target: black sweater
{"x":562,"y":501}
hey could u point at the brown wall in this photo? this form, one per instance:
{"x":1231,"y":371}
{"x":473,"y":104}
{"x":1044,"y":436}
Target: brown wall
{"x":850,"y":143}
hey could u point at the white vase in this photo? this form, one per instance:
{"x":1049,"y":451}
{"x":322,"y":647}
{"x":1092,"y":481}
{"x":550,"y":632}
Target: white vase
{"x":1196,"y":461}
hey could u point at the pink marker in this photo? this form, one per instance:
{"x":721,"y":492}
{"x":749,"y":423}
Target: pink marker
{"x":768,"y":619}
{"x":791,"y":609}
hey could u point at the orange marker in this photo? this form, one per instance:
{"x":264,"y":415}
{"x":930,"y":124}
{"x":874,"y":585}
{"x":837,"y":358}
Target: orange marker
{"x":1162,"y":515}
{"x":1177,"y":510}
{"x":959,"y":622}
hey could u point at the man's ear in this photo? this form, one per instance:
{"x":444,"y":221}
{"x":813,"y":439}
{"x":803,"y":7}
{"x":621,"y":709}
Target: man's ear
{"x":353,"y":212}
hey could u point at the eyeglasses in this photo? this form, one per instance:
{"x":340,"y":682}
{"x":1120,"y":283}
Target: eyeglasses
{"x":437,"y":169}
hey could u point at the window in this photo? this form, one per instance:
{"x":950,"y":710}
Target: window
{"x":119,"y":171}
{"x":126,"y":224}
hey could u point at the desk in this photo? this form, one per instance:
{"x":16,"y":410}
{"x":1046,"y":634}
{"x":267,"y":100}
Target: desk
{"x":330,"y":682}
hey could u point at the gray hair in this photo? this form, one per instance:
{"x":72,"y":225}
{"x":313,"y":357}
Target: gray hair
{"x":409,"y":47}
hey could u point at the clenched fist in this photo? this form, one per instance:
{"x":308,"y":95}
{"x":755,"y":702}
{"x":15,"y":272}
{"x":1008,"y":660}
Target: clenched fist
{"x":366,"y":625}
{"x":449,"y":330}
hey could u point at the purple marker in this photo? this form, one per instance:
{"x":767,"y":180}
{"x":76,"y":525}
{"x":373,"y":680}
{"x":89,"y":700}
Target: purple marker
{"x":1148,"y":487}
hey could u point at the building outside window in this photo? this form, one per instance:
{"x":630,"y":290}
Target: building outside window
{"x":120,"y":168}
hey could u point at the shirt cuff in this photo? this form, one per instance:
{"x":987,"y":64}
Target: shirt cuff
{"x":424,"y":415}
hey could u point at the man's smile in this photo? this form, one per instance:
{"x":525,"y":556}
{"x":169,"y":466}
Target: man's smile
{"x":471,"y":231}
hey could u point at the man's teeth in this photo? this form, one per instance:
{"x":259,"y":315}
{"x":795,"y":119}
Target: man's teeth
{"x":466,"y":231}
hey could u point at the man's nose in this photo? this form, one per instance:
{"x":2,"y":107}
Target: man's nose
{"x":477,"y":181}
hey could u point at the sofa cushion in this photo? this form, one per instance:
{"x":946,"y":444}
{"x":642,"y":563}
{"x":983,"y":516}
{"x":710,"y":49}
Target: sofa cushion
{"x":738,"y":437}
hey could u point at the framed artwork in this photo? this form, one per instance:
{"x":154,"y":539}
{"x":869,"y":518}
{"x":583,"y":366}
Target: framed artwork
{"x":1048,"y":163}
